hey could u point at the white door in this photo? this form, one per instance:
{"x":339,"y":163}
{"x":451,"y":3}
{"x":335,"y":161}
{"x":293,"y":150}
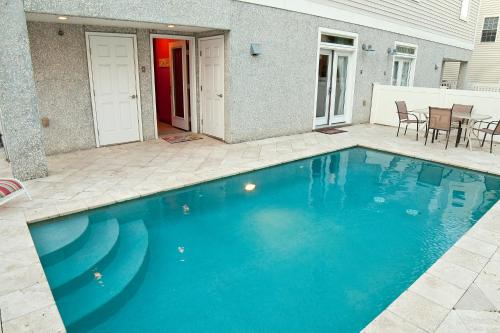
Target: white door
{"x":334,"y":72}
{"x":178,"y":83}
{"x":324,"y":87}
{"x":113,"y":68}
{"x":212,"y":86}
{"x":340,"y":85}
{"x":401,"y":72}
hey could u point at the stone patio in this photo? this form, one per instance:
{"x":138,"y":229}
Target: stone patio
{"x":459,"y":293}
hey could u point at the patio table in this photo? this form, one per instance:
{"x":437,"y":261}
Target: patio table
{"x":473,"y":118}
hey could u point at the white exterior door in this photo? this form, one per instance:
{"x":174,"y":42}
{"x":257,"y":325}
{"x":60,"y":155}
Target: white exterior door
{"x":401,"y":72}
{"x":324,"y":87}
{"x":178,"y":83}
{"x":113,"y":72}
{"x":212,"y":86}
{"x":335,"y":73}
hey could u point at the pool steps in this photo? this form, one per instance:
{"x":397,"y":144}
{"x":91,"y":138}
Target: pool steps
{"x":56,"y":239}
{"x":106,"y":261}
{"x":102,"y":239}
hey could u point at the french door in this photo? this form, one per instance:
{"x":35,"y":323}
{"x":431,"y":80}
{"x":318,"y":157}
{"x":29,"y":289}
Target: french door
{"x":401,"y":72}
{"x":333,"y":84}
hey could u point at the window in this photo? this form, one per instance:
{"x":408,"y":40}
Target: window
{"x":403,"y":65}
{"x":337,"y":40}
{"x":405,"y":50}
{"x":490,"y":27}
{"x":464,"y":11}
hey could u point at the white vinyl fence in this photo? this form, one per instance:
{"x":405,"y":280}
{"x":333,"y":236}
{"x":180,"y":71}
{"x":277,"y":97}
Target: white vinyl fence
{"x":485,"y":87}
{"x":383,"y":109}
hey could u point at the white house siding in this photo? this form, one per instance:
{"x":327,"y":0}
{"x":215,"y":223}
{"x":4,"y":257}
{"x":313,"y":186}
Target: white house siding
{"x":443,"y":17}
{"x":484,"y":66}
{"x":450,"y":71}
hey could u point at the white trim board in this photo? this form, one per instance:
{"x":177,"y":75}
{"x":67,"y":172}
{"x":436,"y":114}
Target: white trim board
{"x":334,"y":13}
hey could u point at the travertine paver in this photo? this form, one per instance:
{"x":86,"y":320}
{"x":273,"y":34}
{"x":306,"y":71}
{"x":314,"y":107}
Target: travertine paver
{"x":459,"y":293}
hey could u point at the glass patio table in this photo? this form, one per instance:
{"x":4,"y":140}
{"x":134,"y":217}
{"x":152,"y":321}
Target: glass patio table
{"x":473,"y":118}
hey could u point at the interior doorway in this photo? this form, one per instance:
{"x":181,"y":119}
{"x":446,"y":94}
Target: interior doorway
{"x":173,"y":77}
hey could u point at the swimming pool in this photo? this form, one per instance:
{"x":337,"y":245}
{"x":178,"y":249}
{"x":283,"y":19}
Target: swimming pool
{"x":321,"y":244}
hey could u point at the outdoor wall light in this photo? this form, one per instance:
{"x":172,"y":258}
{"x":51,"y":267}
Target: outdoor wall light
{"x":62,"y":18}
{"x":367,"y":48}
{"x":171,"y":26}
{"x":391,"y":51}
{"x":255,"y":49}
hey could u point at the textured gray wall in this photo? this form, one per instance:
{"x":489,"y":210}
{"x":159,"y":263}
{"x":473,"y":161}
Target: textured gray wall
{"x":18,"y":101}
{"x":202,"y":13}
{"x":62,"y":82}
{"x":272,"y":94}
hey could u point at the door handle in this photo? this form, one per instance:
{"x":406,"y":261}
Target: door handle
{"x":220,"y":95}
{"x":133,"y":96}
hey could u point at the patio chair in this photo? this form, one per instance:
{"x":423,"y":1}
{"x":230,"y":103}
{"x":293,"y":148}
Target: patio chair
{"x":439,"y":120}
{"x":457,"y":122}
{"x":404,"y":117}
{"x":491,"y":131}
{"x":10,"y":189}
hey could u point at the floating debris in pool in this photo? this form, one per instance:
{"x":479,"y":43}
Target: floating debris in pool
{"x":180,"y":249}
{"x":412,"y":212}
{"x":97,"y":276}
{"x":379,"y":199}
{"x":185,"y":209}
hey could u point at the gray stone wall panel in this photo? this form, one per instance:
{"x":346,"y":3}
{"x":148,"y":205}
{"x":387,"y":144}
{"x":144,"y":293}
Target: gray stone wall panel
{"x":18,"y":98}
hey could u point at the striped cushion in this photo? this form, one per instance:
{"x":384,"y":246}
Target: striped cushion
{"x":9,"y":186}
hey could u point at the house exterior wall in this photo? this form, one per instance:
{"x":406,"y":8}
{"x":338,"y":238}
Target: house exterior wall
{"x":62,"y":81}
{"x":269,"y":95}
{"x":450,"y":71}
{"x":274,"y":94}
{"x":484,"y":66}
{"x":442,"y":17}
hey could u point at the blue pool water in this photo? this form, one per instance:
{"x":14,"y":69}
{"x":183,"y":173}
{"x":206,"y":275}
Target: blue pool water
{"x":322,"y":244}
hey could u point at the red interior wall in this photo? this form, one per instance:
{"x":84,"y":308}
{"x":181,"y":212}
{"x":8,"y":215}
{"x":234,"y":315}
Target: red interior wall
{"x":162,"y":82}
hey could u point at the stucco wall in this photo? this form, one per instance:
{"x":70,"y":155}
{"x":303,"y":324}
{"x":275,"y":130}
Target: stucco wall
{"x":269,"y":95}
{"x":62,"y":82}
{"x":273,"y":94}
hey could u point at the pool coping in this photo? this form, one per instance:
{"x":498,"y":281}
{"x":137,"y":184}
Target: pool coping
{"x":484,"y":234}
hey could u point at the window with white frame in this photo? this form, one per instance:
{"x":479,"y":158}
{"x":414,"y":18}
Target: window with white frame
{"x":490,"y":27}
{"x":403,"y":67}
{"x":464,"y":10}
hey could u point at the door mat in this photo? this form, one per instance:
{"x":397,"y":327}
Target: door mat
{"x":183,"y":137}
{"x":330,"y":130}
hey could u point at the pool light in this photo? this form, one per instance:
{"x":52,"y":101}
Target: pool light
{"x":250,"y":187}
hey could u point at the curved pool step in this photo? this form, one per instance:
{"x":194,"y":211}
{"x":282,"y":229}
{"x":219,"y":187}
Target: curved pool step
{"x":101,"y":240}
{"x":78,"y":305}
{"x":54,"y":240}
